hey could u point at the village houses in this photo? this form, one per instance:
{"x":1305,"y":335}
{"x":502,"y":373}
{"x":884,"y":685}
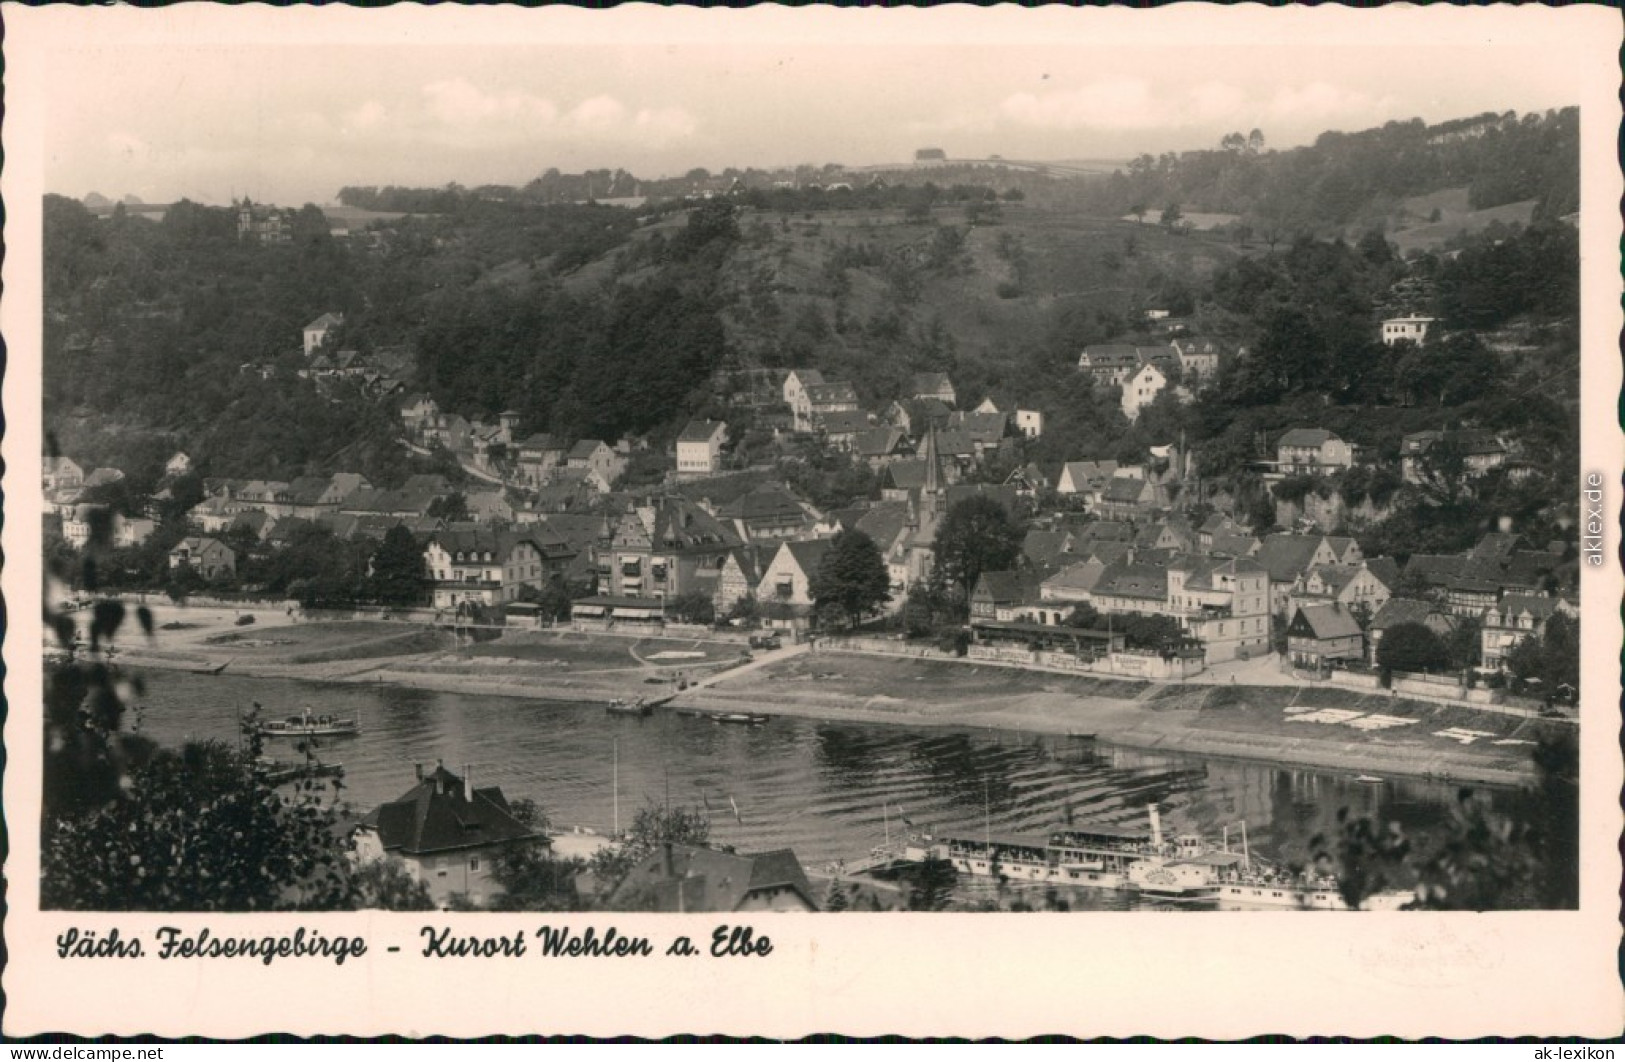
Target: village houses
{"x":1141,"y":389}
{"x":599,"y":456}
{"x":1321,"y":635}
{"x":209,"y":557}
{"x":683,"y":879}
{"x":1425,"y":455}
{"x":316,"y":332}
{"x":665,"y":549}
{"x":1198,"y":359}
{"x":1511,"y":620}
{"x":1312,"y":451}
{"x":933,"y":385}
{"x":785,"y":590}
{"x":807,"y":393}
{"x":480,"y":566}
{"x":699,"y":448}
{"x":1413,"y":329}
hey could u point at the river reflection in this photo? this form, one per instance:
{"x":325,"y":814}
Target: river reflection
{"x":830,"y":791}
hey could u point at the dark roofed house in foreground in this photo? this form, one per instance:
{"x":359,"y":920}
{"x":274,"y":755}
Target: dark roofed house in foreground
{"x":446,"y":833}
{"x":681,"y":879}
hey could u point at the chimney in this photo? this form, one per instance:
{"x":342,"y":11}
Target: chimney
{"x":468,"y":782}
{"x":418,"y":768}
{"x":439,"y":779}
{"x":1156,"y":827}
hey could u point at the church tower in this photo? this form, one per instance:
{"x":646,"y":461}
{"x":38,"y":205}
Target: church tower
{"x":934,"y":491}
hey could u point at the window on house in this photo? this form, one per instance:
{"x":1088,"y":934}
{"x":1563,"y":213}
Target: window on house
{"x":474,"y":863}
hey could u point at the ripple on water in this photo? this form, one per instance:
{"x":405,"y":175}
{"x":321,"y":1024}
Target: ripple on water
{"x":829,"y":790}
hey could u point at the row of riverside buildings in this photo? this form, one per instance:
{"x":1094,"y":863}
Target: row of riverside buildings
{"x":1128,"y":550}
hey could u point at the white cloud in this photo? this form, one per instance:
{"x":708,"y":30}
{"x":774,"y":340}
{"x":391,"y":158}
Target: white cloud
{"x":1118,"y":104}
{"x":459,"y":101}
{"x":1320,"y":100}
{"x":1124,"y":104}
{"x":369,"y":115}
{"x":1216,"y":101}
{"x":461,"y":105}
{"x":600,"y":114}
{"x":664,"y":124}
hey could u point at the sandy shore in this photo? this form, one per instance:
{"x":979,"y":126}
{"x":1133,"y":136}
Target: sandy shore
{"x":1243,"y":721}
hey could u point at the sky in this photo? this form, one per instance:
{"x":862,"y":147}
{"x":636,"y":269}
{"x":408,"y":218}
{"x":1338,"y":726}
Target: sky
{"x":291,"y":117}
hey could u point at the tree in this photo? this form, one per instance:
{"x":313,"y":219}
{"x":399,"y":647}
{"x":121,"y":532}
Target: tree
{"x":399,"y":569}
{"x":852,"y":577}
{"x":198,"y":829}
{"x":1084,"y":617}
{"x":1412,"y":647}
{"x":531,"y":878}
{"x":453,"y":508}
{"x":693,"y":607}
{"x":1171,"y":215}
{"x":553,"y":599}
{"x":654,"y":825}
{"x":931,"y":885}
{"x":746,"y":609}
{"x":1489,"y":859}
{"x":1161,"y":633}
{"x":183,"y":582}
{"x":1552,"y":656}
{"x":385,"y":885}
{"x":1464,"y":644}
{"x":976,"y":536}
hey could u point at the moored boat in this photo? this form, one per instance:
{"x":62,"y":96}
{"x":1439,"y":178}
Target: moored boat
{"x":1091,"y":857}
{"x":276,"y":772}
{"x":307,"y":724}
{"x":620,"y":706}
{"x":742,"y":718}
{"x":1237,"y":879}
{"x":1253,"y":888}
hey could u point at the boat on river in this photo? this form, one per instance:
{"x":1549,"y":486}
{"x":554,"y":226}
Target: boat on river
{"x":306,"y":724}
{"x":1095,"y":856}
{"x":1189,"y":867}
{"x":740,"y":718}
{"x":1238,"y":879}
{"x":278,"y":772}
{"x":620,"y":706}
{"x":1250,"y":888}
{"x":736,"y":718}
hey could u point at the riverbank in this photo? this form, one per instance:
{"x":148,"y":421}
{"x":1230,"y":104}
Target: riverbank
{"x":1366,"y":733}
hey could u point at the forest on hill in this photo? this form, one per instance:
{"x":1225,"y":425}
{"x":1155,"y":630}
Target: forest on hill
{"x":1361,"y":179}
{"x":591,"y":320}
